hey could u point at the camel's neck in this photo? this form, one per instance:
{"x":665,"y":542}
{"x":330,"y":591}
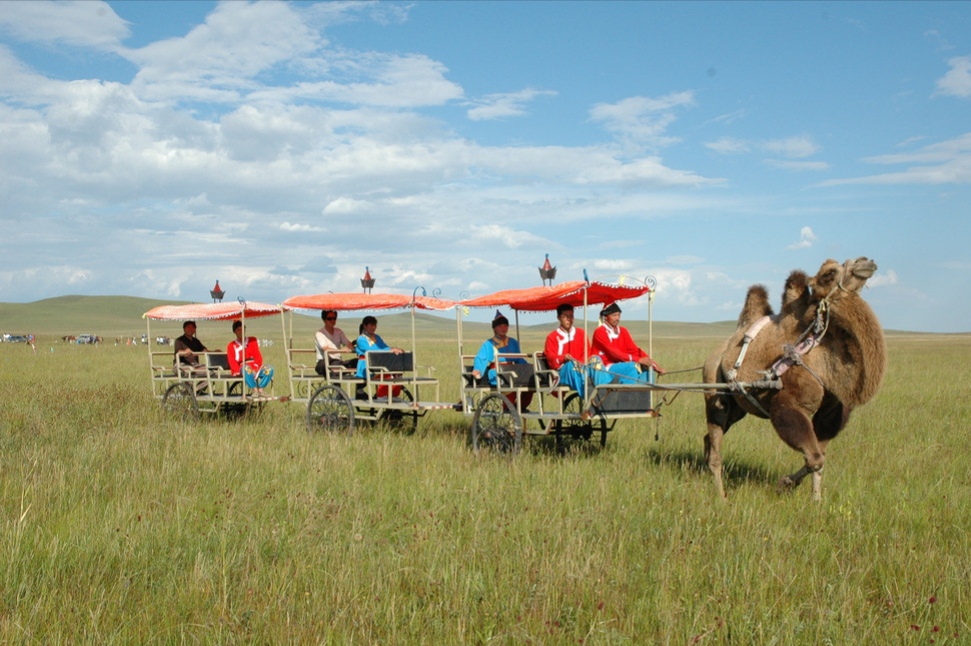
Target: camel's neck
{"x":863,"y":360}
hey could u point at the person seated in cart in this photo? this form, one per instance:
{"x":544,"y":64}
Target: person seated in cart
{"x":245,"y":359}
{"x":369,"y":341}
{"x":621,"y":357}
{"x":490,"y":353}
{"x":567,"y":351}
{"x":187,"y":349}
{"x":330,"y":339}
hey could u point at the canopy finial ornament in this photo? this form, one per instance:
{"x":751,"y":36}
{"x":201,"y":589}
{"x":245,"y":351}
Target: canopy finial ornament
{"x":367,"y":283}
{"x":547,"y":272}
{"x":216,"y":293}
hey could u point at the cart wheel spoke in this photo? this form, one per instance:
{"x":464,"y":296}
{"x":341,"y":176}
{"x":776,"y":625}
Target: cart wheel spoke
{"x":180,"y":401}
{"x":330,"y":410}
{"x":576,"y":431}
{"x":496,"y":426}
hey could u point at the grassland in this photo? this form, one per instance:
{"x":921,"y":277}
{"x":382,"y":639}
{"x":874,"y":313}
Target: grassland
{"x":120,"y":525}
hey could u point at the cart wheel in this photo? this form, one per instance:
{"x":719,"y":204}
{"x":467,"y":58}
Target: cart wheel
{"x":330,"y":410}
{"x":496,"y":425}
{"x":575,"y":431}
{"x":180,"y":400}
{"x":403,"y":421}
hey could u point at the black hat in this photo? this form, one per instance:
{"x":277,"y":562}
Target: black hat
{"x":499,"y":320}
{"x":237,"y":324}
{"x":613,"y":308}
{"x":563,"y":307}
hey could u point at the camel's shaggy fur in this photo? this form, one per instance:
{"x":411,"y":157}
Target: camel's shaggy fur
{"x":843,"y":371}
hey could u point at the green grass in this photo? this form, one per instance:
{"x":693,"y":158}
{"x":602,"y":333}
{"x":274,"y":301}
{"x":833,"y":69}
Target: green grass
{"x":120,"y":525}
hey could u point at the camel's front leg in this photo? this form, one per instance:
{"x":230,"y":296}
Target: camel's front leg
{"x":792,"y":481}
{"x":796,"y":429}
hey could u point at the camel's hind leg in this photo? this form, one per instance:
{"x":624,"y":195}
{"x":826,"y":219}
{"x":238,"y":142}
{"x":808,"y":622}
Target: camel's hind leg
{"x":721,"y":412}
{"x":713,"y":455}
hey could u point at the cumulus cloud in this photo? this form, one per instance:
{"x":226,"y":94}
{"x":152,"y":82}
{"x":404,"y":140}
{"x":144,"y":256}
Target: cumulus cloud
{"x":806,"y":239}
{"x":957,"y":81}
{"x":290,"y":227}
{"x":93,"y":24}
{"x":883,"y":279}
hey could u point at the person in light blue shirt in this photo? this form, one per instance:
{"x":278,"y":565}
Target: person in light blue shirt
{"x":369,"y":341}
{"x":490,"y":353}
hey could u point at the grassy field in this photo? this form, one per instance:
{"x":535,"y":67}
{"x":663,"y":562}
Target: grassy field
{"x":120,"y":525}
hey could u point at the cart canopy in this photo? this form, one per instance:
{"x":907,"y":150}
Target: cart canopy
{"x":212,"y":311}
{"x":355,"y":301}
{"x":546,"y":298}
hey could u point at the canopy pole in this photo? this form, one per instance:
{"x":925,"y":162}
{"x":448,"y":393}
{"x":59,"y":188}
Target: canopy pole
{"x":414,"y":355}
{"x":650,"y":323}
{"x":458,"y":335}
{"x":287,"y":346}
{"x":148,"y":337}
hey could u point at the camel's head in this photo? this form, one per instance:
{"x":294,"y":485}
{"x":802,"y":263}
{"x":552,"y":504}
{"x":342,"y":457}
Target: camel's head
{"x":850,"y":277}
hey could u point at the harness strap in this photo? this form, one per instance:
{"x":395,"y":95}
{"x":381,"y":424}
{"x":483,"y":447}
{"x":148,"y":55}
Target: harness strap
{"x":748,"y":337}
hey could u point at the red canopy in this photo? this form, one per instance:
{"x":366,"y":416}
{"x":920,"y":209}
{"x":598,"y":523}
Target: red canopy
{"x":356,"y":301}
{"x":543,"y":299}
{"x":212,"y":311}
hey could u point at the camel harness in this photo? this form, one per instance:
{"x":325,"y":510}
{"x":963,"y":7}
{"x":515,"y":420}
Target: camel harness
{"x":792,"y":354}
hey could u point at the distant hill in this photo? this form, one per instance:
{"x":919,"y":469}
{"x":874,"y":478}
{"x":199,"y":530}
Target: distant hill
{"x":111,"y":316}
{"x":106,"y":316}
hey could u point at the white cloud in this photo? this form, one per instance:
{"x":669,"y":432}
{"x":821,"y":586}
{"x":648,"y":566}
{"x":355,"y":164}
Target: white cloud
{"x":728,"y":146}
{"x":797,"y":165}
{"x":237,"y":41}
{"x":946,"y":162}
{"x":806,"y":239}
{"x":792,"y":147}
{"x":497,"y":106}
{"x":93,"y":24}
{"x":642,"y":121}
{"x":883,"y":279}
{"x":957,"y":81}
{"x":298,"y":228}
{"x":345,"y":206}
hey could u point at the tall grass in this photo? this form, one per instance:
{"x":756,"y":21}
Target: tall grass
{"x":120,"y":525}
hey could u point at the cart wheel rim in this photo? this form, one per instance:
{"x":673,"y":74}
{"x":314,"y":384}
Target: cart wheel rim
{"x":330,"y":410}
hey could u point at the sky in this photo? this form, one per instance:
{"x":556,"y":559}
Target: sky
{"x":283,"y":148}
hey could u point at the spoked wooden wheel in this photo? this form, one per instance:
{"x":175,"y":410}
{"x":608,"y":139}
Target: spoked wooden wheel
{"x":330,"y":410}
{"x":401,"y":420}
{"x":180,"y":400}
{"x":575,"y":431}
{"x":496,"y":426}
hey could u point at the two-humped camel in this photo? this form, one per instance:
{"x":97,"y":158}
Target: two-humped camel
{"x":824,"y":353}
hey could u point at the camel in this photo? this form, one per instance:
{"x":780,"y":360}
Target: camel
{"x":804,"y":369}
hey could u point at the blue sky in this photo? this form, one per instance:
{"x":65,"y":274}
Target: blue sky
{"x":150,"y":148}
